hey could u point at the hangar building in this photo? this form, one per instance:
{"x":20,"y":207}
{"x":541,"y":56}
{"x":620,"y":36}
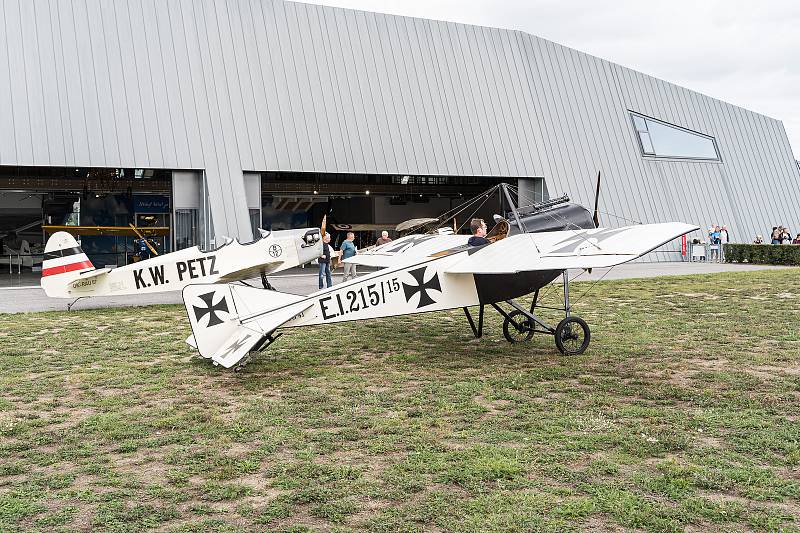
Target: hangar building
{"x":213,"y":117}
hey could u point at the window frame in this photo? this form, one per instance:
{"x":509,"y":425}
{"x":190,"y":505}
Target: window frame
{"x":638,"y":133}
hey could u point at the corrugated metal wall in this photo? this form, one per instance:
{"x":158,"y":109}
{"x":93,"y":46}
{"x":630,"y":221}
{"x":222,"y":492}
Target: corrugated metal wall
{"x":238,"y":85}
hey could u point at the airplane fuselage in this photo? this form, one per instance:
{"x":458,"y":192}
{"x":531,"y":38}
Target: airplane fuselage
{"x":173,"y":271}
{"x":419,"y":286}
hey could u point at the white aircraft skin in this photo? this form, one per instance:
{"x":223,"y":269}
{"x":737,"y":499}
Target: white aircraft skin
{"x":68,"y":273}
{"x":230,"y":321}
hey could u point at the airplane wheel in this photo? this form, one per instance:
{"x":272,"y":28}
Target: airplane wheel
{"x":572,"y":336}
{"x":521,"y":330}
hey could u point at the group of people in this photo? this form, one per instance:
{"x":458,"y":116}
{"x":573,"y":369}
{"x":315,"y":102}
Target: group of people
{"x":349,"y":249}
{"x":780,"y":235}
{"x":717,"y":236}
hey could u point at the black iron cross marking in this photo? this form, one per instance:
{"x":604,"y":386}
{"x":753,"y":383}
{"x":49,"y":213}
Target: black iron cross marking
{"x":568,"y":244}
{"x":422,"y":287}
{"x":235,"y":345}
{"x":210,"y":309}
{"x":275,"y":250}
{"x":408,"y":243}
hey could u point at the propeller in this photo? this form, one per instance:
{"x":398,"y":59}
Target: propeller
{"x":146,"y":241}
{"x":323,"y":224}
{"x":596,"y":217}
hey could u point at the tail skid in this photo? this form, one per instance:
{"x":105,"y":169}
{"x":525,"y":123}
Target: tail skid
{"x":230,"y":321}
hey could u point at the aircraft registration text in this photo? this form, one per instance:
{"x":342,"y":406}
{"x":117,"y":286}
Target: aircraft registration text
{"x":191,"y":269}
{"x":355,"y":300}
{"x":84,"y":283}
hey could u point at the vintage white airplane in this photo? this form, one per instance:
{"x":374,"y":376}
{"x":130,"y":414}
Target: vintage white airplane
{"x":435,"y":272}
{"x":68,"y":273}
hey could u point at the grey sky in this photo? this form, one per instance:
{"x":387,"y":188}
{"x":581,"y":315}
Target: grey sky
{"x":744,"y":52}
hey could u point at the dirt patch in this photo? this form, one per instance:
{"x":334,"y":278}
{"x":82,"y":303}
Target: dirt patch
{"x":492,"y":406}
{"x":601,"y":524}
{"x":770,"y":371}
{"x":788,"y":507}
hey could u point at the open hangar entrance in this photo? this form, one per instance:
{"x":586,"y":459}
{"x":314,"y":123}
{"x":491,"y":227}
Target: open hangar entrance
{"x":370,"y":203}
{"x":35,"y":201}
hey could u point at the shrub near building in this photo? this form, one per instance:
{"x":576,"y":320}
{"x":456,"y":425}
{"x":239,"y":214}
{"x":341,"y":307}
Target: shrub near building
{"x":764,"y":254}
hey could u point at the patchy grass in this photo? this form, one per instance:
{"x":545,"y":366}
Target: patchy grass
{"x":683,"y":414}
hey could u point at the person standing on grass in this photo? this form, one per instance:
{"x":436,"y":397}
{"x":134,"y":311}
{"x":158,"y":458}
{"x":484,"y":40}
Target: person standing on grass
{"x":796,"y":239}
{"x":347,"y":250}
{"x":325,"y":262}
{"x":383,"y":239}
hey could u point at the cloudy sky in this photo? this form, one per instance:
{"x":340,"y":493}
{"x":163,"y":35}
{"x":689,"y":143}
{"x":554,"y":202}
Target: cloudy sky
{"x":746,"y":52}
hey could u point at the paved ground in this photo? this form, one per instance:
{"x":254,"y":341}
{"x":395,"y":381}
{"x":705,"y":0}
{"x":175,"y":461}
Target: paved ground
{"x":22,"y":294}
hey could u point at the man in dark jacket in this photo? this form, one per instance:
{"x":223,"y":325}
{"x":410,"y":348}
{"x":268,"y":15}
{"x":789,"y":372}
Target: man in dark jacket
{"x":325,"y":262}
{"x":478,"y":228}
{"x":383,"y":239}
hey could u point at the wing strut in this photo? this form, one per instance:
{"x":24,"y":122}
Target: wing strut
{"x":513,"y":207}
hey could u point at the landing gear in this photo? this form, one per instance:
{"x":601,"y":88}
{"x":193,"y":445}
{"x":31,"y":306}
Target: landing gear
{"x":518,"y":328}
{"x":265,"y":282}
{"x":572,"y":335}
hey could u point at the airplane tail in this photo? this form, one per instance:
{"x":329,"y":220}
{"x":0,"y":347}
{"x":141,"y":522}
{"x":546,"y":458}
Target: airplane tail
{"x":64,"y":260}
{"x":230,"y":321}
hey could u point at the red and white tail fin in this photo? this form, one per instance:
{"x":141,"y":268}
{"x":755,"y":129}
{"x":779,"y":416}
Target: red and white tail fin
{"x":63,"y":260}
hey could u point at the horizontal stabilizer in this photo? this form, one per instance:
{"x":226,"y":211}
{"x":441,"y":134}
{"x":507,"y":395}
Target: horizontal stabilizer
{"x":561,"y":250}
{"x":89,"y":274}
{"x":229,"y":321}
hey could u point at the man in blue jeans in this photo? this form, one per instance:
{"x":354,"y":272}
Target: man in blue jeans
{"x":348,"y":249}
{"x":325,"y":262}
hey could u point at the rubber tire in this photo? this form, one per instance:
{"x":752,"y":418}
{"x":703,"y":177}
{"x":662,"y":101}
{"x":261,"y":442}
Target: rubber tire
{"x":507,"y":325}
{"x":587,"y":336}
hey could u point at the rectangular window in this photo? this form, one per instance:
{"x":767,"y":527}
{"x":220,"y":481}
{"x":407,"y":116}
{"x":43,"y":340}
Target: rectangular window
{"x":186,"y":228}
{"x":661,"y":139}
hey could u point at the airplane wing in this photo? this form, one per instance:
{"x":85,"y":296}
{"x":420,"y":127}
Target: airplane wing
{"x":250,"y":272}
{"x":560,"y":250}
{"x":122,"y":231}
{"x":408,"y":247}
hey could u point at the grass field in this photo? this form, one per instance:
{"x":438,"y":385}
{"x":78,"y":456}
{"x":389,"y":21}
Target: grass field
{"x":682,"y":415}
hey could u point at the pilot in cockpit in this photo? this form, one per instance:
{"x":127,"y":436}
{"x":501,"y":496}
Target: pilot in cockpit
{"x":478,"y":228}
